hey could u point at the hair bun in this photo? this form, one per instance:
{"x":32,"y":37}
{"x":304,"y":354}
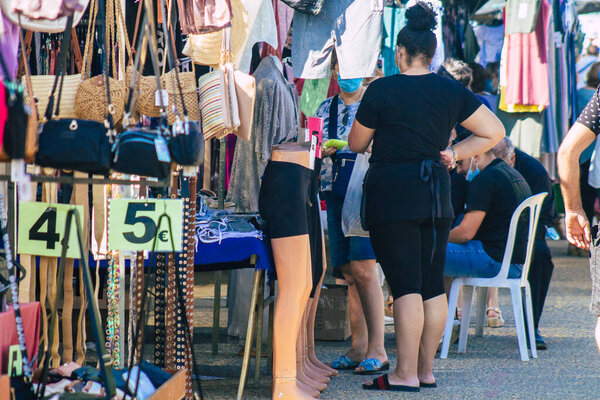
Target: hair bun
{"x":421,"y":17}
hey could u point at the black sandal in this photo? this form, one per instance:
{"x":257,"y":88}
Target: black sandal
{"x":383,"y":383}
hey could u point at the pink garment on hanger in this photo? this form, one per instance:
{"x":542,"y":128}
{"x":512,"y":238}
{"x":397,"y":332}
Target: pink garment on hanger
{"x":527,"y":64}
{"x":283,"y":17}
{"x":30,"y":313}
{"x":9,"y":46}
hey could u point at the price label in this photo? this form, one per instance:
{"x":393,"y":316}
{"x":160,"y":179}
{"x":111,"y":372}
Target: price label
{"x":42,"y":228}
{"x":133,"y":224}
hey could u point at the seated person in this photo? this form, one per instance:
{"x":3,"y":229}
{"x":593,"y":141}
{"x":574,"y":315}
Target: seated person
{"x":476,"y":246}
{"x":541,"y":269}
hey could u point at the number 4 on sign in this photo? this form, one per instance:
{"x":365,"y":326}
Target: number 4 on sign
{"x":41,"y":229}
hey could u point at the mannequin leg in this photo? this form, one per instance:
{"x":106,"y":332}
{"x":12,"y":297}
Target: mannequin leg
{"x":308,"y":368}
{"x":292,"y":257}
{"x":301,"y":343}
{"x":312,"y":313}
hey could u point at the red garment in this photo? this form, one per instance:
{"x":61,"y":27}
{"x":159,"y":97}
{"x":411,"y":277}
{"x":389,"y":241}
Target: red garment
{"x":527,"y":64}
{"x":8,"y":334}
{"x":231,"y":141}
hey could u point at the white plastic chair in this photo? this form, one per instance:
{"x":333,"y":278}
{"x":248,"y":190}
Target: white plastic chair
{"x":516,"y":286}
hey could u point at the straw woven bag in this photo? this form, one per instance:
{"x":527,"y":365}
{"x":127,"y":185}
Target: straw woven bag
{"x":190,"y":95}
{"x":42,"y":86}
{"x":90,"y":101}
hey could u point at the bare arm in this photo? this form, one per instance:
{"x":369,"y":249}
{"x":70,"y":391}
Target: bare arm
{"x":468,"y":227}
{"x":578,"y":226}
{"x":487,"y":131}
{"x":360,"y":137}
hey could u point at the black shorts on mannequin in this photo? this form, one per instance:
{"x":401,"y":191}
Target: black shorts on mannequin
{"x":283,"y":199}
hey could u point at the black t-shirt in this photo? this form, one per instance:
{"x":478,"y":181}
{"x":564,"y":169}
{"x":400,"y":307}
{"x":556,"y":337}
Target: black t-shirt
{"x":590,"y":116}
{"x":498,"y":190}
{"x":539,"y":181}
{"x":413,"y":117}
{"x":460,"y":188}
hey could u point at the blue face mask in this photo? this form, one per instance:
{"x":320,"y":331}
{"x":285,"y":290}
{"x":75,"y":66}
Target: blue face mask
{"x":349,"y":85}
{"x":471,"y":174}
{"x":489,"y":86}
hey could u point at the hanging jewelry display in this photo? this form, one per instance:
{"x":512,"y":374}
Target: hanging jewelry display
{"x":188,"y":288}
{"x":159,"y":310}
{"x":113,"y":329}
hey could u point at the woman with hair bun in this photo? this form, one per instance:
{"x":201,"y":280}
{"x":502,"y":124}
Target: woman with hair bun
{"x":408,"y":118}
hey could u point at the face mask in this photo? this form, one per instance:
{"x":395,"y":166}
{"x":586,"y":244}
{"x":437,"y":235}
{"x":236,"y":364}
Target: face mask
{"x":488,"y":86}
{"x":472,"y":174}
{"x":350,"y":85}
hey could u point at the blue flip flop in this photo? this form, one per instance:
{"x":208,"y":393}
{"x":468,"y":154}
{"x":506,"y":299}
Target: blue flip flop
{"x":372,"y":366}
{"x":344,"y":363}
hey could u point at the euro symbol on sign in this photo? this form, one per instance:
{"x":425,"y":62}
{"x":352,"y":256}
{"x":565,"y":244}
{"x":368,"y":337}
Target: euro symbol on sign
{"x":163,"y":236}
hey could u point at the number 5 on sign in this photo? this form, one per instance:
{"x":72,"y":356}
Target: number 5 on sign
{"x":132,"y":224}
{"x":42,"y":228}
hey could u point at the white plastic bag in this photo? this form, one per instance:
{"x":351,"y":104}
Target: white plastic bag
{"x":351,"y":225}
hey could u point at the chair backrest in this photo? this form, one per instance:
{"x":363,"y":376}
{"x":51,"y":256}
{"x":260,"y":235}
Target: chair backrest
{"x":534,"y":204}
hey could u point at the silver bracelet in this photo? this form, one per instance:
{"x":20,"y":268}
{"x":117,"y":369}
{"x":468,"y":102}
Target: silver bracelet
{"x":454,"y":157}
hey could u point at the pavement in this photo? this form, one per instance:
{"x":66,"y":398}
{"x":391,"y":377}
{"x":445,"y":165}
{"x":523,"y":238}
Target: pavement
{"x":491,"y":367}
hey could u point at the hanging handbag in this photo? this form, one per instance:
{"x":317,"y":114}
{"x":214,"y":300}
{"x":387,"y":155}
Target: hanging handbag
{"x":218,"y":99}
{"x":76,"y":144}
{"x":186,"y":144}
{"x":41,"y":86}
{"x":343,"y":164}
{"x":306,"y":6}
{"x":90,"y":100}
{"x":180,"y":86}
{"x":17,"y":118}
{"x":49,"y":24}
{"x":140,"y":150}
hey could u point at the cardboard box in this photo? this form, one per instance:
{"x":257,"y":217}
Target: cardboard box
{"x":333,"y":319}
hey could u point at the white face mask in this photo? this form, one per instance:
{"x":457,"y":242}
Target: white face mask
{"x":471,"y":174}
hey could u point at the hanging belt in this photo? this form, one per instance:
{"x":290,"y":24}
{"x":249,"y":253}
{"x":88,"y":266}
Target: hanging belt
{"x":428,"y":174}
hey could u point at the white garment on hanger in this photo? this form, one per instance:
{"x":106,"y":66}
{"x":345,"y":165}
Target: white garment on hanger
{"x":262,"y":26}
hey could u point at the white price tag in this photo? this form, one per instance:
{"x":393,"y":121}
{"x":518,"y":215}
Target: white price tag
{"x":313,"y":151}
{"x":162,"y":150}
{"x":157,"y":98}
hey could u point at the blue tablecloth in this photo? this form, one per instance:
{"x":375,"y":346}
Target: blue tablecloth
{"x":235,"y":250}
{"x":216,"y":256}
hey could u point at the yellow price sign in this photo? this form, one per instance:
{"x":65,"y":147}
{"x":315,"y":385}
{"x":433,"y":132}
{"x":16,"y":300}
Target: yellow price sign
{"x":41,"y":229}
{"x":133,"y":224}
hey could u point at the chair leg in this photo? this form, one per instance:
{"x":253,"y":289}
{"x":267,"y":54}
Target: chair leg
{"x":517,"y":301}
{"x":529,"y":316}
{"x":456,"y":284}
{"x":480,"y":313}
{"x":467,"y":301}
{"x":259,"y":326}
{"x":249,"y":333}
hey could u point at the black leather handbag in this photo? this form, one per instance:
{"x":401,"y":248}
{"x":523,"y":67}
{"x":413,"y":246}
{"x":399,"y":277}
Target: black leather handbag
{"x":187,"y":144}
{"x":76,"y":144}
{"x":136,"y":153}
{"x":306,"y":6}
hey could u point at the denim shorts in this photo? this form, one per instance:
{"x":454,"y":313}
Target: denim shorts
{"x":469,"y":260}
{"x":343,"y":249}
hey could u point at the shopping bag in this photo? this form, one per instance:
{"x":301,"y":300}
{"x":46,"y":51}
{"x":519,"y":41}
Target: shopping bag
{"x":351,"y":224}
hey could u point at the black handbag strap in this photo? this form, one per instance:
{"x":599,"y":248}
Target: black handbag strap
{"x":104,"y":358}
{"x":172,"y":56}
{"x":333,"y":118}
{"x":14,"y":290}
{"x":147,"y":40}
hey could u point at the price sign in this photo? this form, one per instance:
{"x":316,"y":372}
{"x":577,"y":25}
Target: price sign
{"x":42,"y":228}
{"x":133,"y":224}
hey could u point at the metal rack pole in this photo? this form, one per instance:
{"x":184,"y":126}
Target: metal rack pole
{"x":218,"y":274}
